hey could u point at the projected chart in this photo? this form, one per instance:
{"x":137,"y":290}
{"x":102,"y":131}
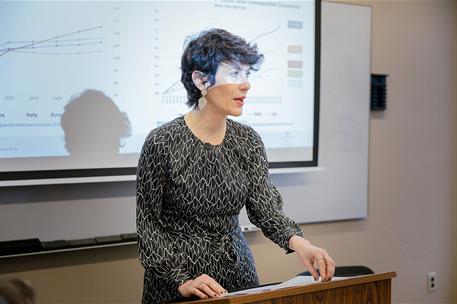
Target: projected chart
{"x":131,"y":52}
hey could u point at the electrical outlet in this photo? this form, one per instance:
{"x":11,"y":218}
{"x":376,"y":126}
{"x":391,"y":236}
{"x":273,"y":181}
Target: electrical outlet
{"x":431,"y":281}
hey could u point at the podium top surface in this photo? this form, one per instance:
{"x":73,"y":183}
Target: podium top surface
{"x":298,"y":290}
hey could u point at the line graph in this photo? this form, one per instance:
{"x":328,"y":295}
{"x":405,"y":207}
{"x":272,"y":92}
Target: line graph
{"x":176,"y":86}
{"x":277,"y":28}
{"x":44,"y":46}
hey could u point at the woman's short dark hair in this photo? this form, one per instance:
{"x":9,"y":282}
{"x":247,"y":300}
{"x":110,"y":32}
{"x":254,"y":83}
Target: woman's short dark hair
{"x":209,"y":49}
{"x":16,"y":291}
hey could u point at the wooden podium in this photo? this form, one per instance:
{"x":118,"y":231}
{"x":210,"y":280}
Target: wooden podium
{"x":373,"y":289}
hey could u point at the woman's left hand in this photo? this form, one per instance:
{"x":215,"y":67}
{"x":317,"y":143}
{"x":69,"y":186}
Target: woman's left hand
{"x":313,"y":257}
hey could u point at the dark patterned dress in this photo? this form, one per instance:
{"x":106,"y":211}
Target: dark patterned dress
{"x":189,"y":195}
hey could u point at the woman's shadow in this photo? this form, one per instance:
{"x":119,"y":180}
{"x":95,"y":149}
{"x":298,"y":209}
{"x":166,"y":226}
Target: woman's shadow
{"x":94,"y":127}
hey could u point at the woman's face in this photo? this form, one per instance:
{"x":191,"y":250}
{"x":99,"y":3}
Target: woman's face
{"x":229,"y":91}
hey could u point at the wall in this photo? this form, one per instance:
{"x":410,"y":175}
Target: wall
{"x":411,"y":226}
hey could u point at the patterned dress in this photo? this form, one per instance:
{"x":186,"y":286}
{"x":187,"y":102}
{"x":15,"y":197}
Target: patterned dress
{"x":189,"y":195}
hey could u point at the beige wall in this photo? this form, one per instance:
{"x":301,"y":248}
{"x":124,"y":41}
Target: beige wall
{"x":411,"y":227}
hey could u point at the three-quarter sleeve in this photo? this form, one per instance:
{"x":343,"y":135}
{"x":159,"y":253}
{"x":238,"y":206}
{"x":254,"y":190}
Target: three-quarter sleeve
{"x":264,"y":204}
{"x":159,"y":251}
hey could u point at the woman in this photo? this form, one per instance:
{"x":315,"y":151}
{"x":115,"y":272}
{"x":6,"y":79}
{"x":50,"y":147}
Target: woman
{"x":197,"y":172}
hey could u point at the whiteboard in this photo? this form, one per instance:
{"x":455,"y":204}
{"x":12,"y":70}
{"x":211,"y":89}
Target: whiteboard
{"x":338,"y":191}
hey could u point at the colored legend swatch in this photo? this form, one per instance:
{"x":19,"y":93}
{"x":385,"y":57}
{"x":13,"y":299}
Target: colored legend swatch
{"x":294,"y":73}
{"x":295,"y":64}
{"x":295,"y":49}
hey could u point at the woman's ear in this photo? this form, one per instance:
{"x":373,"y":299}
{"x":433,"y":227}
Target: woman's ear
{"x":199,"y":80}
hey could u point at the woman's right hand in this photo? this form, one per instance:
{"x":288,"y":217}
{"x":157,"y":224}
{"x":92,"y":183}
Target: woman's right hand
{"x":203,"y":287}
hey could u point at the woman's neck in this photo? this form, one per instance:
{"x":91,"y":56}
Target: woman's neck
{"x":207,"y":125}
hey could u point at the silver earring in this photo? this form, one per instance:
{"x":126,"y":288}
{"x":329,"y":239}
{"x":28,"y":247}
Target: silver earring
{"x":202,"y":100}
{"x":202,"y":103}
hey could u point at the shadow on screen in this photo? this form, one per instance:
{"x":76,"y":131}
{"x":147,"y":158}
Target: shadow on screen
{"x":94,"y":127}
